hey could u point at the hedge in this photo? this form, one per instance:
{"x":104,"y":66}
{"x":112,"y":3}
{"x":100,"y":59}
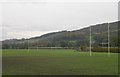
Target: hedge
{"x":100,"y":49}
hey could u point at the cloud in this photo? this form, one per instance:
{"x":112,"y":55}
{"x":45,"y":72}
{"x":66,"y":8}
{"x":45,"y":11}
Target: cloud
{"x":25,"y":34}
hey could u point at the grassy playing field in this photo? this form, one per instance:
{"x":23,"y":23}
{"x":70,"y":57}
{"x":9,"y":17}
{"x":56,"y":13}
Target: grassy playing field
{"x":58,"y":62}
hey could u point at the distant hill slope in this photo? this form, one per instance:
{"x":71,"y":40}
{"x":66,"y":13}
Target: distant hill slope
{"x":68,"y":38}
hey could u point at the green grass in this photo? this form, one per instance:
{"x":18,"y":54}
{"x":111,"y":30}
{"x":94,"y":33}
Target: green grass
{"x":58,"y":62}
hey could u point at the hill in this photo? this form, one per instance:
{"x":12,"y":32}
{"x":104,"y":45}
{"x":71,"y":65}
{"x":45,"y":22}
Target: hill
{"x":73,"y":38}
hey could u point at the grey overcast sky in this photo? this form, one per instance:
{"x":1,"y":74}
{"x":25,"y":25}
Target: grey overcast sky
{"x":29,"y":19}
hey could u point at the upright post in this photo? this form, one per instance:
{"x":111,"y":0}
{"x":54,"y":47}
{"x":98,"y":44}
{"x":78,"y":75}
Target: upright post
{"x":28,"y":45}
{"x":37,"y":45}
{"x":108,"y":40}
{"x":90,"y":40}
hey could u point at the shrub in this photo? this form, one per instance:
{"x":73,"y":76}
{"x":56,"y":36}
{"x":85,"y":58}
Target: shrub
{"x":82,"y":48}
